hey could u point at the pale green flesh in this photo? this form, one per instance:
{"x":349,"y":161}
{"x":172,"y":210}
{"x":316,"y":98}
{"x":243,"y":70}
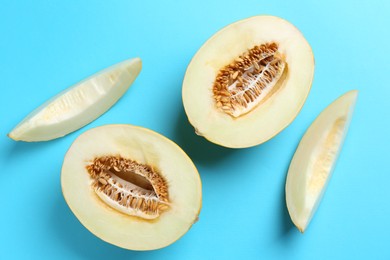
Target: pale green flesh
{"x":315,"y":158}
{"x":79,"y":104}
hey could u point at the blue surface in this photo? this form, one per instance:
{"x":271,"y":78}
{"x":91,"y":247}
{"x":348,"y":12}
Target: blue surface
{"x":47,"y":46}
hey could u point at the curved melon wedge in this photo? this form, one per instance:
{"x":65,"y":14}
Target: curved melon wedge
{"x":78,"y":105}
{"x":315,"y":158}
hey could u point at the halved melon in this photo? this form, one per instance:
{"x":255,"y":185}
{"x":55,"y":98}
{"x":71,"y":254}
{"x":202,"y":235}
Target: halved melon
{"x":315,"y":159}
{"x":78,"y":105}
{"x":131,"y":187}
{"x":248,"y":82}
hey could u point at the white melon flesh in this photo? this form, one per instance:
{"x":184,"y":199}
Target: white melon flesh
{"x":146,"y":147}
{"x":79,"y":104}
{"x":275,"y":112}
{"x":315,"y":158}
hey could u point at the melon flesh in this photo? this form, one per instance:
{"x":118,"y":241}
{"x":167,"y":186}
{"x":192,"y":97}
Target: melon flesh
{"x":315,"y":159}
{"x":274,"y":114}
{"x":146,"y":147}
{"x":79,"y":104}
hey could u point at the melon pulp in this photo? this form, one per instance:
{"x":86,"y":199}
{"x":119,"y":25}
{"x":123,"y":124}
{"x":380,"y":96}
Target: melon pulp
{"x":248,"y":81}
{"x":131,"y":187}
{"x":315,"y":159}
{"x":78,"y":105}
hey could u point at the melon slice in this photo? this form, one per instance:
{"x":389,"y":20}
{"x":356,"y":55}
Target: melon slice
{"x":78,"y":105}
{"x":315,"y":159}
{"x":131,"y":187}
{"x":248,"y":82}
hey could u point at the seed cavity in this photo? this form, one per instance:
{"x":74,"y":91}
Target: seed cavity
{"x":130,"y":187}
{"x":250,"y":79}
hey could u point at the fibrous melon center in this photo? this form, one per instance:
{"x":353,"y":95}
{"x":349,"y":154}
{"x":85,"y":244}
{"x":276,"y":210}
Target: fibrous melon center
{"x":129,"y":187}
{"x":248,"y":80}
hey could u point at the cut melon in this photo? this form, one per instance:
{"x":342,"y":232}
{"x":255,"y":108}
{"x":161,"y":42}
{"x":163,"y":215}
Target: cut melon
{"x":131,"y":187}
{"x":248,"y":82}
{"x":79,"y":104}
{"x":315,"y":159}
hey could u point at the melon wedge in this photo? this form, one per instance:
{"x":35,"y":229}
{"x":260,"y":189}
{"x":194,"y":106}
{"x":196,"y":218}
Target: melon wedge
{"x":315,"y":159}
{"x":131,"y":187}
{"x":78,"y":105}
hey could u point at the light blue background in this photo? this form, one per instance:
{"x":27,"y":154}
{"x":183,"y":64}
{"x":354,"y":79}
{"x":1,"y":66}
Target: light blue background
{"x":46,"y":46}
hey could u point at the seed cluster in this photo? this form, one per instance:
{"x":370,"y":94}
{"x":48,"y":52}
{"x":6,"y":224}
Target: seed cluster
{"x":124,"y":195}
{"x":242,"y":84}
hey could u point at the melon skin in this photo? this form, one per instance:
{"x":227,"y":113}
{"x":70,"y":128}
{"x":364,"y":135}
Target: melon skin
{"x":315,"y":159}
{"x":267,"y":119}
{"x":144,"y":146}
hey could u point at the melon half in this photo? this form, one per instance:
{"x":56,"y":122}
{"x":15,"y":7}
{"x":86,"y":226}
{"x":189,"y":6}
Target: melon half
{"x":131,"y":187}
{"x":248,"y":81}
